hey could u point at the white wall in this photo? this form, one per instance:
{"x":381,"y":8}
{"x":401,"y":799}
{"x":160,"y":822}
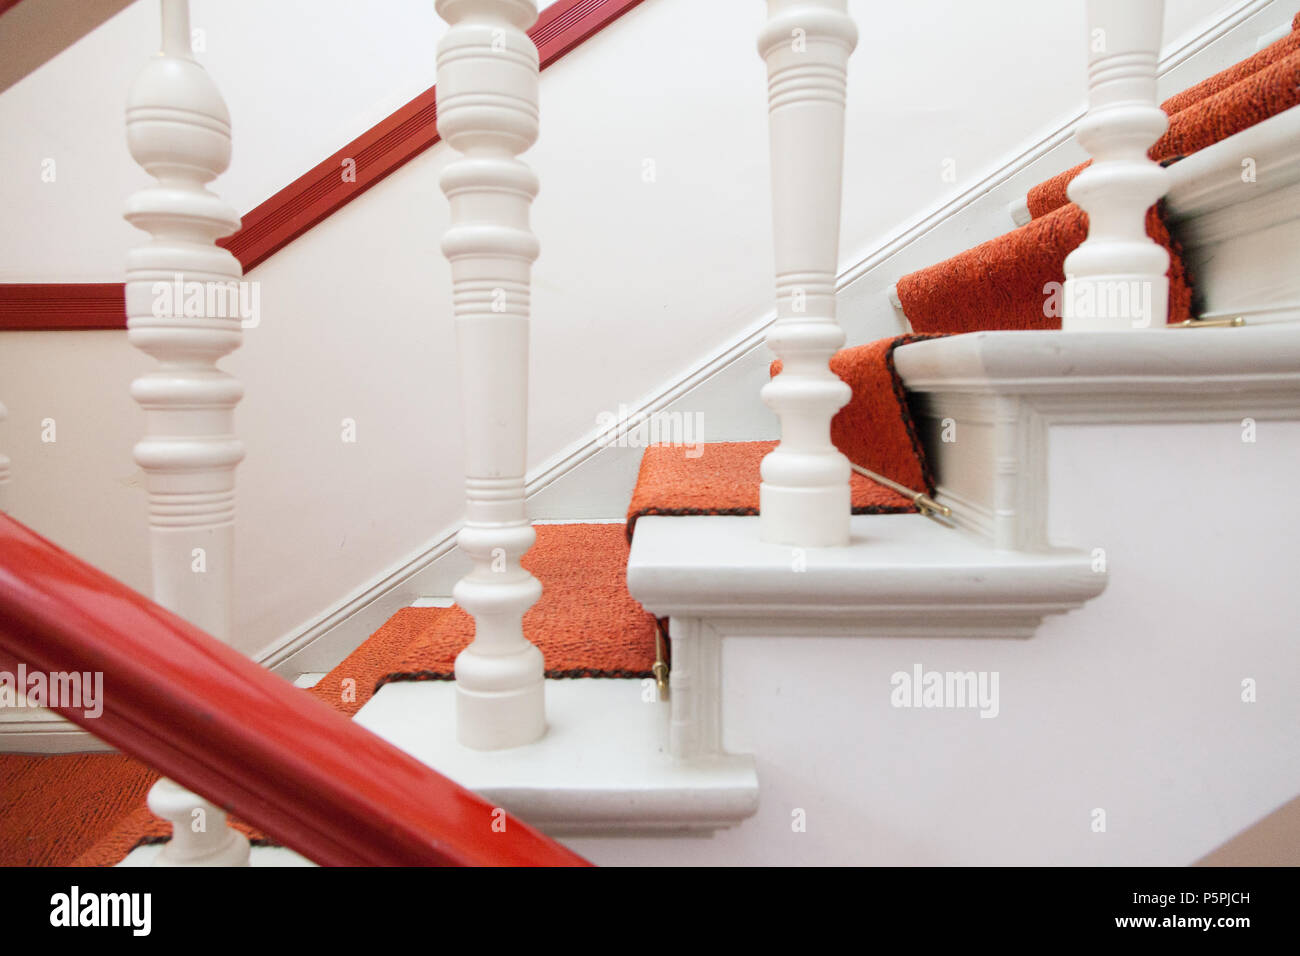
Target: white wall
{"x":301,"y":77}
{"x":637,"y":281}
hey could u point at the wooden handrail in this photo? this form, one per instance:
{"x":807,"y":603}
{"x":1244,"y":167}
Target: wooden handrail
{"x":216,"y":722}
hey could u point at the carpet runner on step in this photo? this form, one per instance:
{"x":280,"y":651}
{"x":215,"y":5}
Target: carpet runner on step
{"x":723,"y":480}
{"x":89,"y":809}
{"x":586,"y":624}
{"x":1004,"y":283}
{"x":1235,"y":99}
{"x":875,"y":430}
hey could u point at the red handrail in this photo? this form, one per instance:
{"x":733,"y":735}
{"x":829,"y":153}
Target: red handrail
{"x":233,"y":732}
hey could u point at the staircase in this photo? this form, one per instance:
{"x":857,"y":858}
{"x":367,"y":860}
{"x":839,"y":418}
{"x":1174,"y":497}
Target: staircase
{"x":942,"y":577}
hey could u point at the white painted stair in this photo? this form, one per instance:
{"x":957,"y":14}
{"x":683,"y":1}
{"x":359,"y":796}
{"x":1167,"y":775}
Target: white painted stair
{"x":1057,"y":494}
{"x":603,"y":766}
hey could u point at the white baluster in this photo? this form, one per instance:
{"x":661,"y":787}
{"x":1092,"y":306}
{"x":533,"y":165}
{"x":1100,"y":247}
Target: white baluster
{"x":804,"y":495}
{"x":178,"y":129}
{"x":200,"y":834}
{"x":1116,"y":278}
{"x":487,"y":109}
{"x":4,"y":468}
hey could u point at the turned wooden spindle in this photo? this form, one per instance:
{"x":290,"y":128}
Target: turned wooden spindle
{"x":487,"y":110}
{"x":1116,"y":279}
{"x":804,"y":495}
{"x":178,"y":130}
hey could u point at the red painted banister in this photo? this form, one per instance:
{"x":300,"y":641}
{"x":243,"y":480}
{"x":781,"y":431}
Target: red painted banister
{"x":233,"y":732}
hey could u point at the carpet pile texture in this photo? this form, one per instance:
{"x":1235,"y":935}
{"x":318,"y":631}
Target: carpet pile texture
{"x":586,"y":624}
{"x":1006,"y":283}
{"x":1232,"y":100}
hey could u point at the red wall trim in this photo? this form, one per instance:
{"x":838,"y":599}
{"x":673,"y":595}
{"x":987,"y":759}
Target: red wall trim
{"x":310,"y":198}
{"x":62,"y":306}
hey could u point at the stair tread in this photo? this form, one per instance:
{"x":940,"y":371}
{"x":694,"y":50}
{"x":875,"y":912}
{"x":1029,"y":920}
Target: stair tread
{"x":899,"y":574}
{"x":1000,"y":284}
{"x":604,"y":763}
{"x":585,"y":623}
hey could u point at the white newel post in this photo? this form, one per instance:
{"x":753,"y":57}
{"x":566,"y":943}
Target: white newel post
{"x":487,"y":110}
{"x":178,"y":129}
{"x":804,"y":495}
{"x":1116,"y":278}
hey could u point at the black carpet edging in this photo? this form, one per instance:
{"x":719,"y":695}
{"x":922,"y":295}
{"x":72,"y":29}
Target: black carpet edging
{"x":156,"y":840}
{"x":905,"y":407}
{"x":575,"y":673}
{"x":752,"y":512}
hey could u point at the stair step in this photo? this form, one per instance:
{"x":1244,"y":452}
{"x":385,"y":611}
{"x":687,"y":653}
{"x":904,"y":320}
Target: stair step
{"x":603,"y":765}
{"x":901,"y":576}
{"x":723,"y":479}
{"x":585,"y":622}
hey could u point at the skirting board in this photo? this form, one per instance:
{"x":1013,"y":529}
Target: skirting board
{"x":44,"y":732}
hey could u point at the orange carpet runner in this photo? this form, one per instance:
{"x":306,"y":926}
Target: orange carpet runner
{"x":586,"y":624}
{"x":1000,"y":284}
{"x":875,"y":430}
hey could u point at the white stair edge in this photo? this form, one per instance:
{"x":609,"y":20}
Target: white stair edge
{"x":1000,"y":393}
{"x":602,"y":767}
{"x":1211,"y":179}
{"x":901,"y":576}
{"x":1018,"y":209}
{"x":1235,"y":208}
{"x":1197,"y":367}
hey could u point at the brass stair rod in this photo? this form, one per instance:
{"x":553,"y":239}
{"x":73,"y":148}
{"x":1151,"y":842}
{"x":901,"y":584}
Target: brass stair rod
{"x":924,"y":503}
{"x":660,"y":667}
{"x":1210,"y":323}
